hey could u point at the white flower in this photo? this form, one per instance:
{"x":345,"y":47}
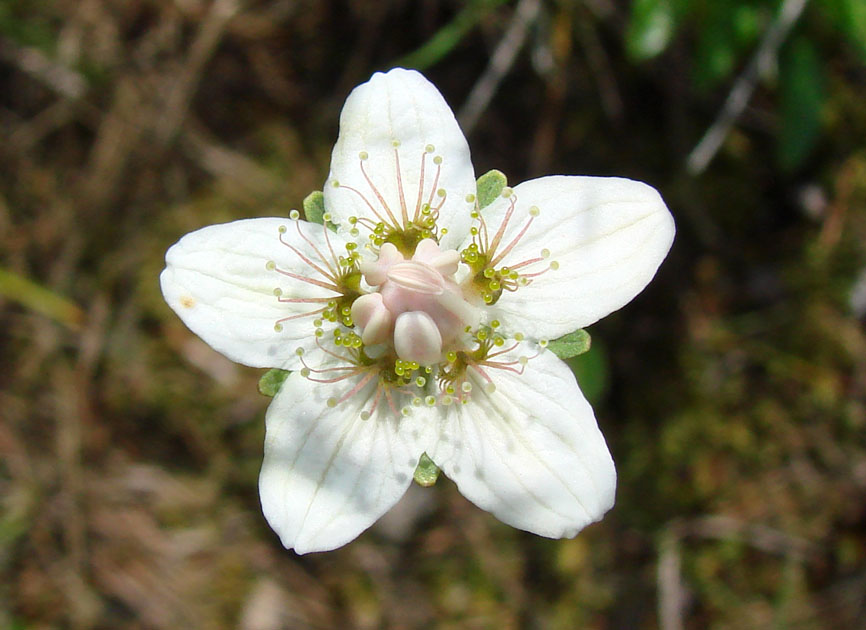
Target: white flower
{"x":418,"y":325}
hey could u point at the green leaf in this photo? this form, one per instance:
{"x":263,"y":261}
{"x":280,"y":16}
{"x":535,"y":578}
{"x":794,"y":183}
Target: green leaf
{"x":449,"y":36}
{"x":802,"y":98}
{"x":489,"y":186}
{"x":650,"y":28}
{"x":426,"y":473}
{"x":314,"y":207}
{"x":271,"y":382}
{"x":591,"y":370}
{"x":40,"y":299}
{"x":849,"y":16}
{"x":716,"y":55}
{"x":570,"y":345}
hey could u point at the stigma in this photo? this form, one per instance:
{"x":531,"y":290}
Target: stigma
{"x":417,"y":305}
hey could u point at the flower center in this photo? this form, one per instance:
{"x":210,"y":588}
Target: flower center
{"x":418,"y":306}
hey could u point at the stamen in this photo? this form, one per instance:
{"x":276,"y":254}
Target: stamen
{"x":390,"y":399}
{"x":403,"y":210}
{"x":421,"y":185}
{"x":333,"y":354}
{"x":318,"y":283}
{"x":553,"y":266}
{"x":379,"y":197}
{"x":331,"y":274}
{"x":336,"y":379}
{"x":501,"y":352}
{"x":501,"y":231}
{"x":526,"y":263}
{"x":361,"y":384}
{"x":325,"y":221}
{"x":366,"y":201}
{"x":278,"y":325}
{"x":327,"y":263}
{"x":438,"y":162}
{"x":318,"y":300}
{"x":517,"y":238}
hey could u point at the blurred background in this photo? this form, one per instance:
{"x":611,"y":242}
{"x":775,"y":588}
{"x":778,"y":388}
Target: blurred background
{"x":732,"y":391}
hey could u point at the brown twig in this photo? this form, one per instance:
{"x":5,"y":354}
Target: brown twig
{"x":741,"y":93}
{"x":209,"y":34}
{"x":500,"y":63}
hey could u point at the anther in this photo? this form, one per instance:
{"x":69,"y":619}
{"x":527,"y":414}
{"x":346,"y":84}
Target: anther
{"x":429,"y":148}
{"x":294,"y":215}
{"x":534,"y":211}
{"x":363,"y":155}
{"x":437,"y":160}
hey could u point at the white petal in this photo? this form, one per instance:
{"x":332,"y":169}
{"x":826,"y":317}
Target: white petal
{"x":216,"y":279}
{"x":530,"y":453}
{"x":608,"y":236}
{"x":400,"y":107}
{"x":327,"y":474}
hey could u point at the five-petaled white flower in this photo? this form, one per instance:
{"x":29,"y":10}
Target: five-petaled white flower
{"x":417,"y":323}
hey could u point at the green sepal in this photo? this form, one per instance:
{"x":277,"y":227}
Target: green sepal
{"x":314,"y":207}
{"x":489,"y":186}
{"x":571,"y":345}
{"x":426,"y":472}
{"x":271,"y":381}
